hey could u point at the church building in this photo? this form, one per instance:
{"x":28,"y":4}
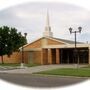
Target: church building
{"x":51,"y":50}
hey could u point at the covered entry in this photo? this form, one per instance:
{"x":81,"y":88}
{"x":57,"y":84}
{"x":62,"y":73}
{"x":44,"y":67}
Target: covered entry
{"x":65,"y":56}
{"x":69,"y":56}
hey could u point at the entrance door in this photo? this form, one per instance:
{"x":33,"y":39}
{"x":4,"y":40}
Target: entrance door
{"x":67,"y":56}
{"x":31,"y":57}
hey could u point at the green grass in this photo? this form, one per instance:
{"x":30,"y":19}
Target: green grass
{"x":15,"y":65}
{"x":81,"y":72}
{"x":10,"y":64}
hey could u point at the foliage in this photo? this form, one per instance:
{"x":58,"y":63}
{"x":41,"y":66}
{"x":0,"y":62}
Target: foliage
{"x":10,"y":40}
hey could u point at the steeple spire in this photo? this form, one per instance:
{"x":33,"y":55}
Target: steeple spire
{"x":47,"y":19}
{"x":47,"y":32}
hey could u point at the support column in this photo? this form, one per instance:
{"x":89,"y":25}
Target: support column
{"x":68,"y":58}
{"x":49,"y":56}
{"x":89,"y":56}
{"x":57,"y":56}
{"x":42,"y":57}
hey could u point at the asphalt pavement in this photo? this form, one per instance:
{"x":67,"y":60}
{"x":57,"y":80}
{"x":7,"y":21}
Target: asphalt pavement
{"x":30,"y":80}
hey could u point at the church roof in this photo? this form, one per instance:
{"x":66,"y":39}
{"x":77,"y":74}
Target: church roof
{"x":67,"y":41}
{"x":51,"y":44}
{"x":56,"y":39}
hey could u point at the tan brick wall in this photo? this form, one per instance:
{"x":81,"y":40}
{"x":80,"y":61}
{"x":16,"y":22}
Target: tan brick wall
{"x":44,"y":56}
{"x":37,"y":57}
{"x":57,"y":56}
{"x":36,"y":44}
{"x":14,"y":58}
{"x":26,"y":57}
{"x":33,"y":57}
{"x":52,"y":42}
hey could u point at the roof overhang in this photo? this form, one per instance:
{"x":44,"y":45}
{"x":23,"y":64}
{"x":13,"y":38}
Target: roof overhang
{"x":58,"y":46}
{"x":68,"y":46}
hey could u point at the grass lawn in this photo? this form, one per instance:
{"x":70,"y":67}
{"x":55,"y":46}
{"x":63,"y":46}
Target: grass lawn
{"x":15,"y":65}
{"x":9,"y":64}
{"x":81,"y":72}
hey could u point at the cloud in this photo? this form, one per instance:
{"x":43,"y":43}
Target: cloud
{"x":31,"y":18}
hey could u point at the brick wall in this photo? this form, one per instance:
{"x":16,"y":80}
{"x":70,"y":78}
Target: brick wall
{"x":36,"y":44}
{"x":14,"y":58}
{"x":37,"y":57}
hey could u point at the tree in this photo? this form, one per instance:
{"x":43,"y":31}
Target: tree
{"x":10,"y":41}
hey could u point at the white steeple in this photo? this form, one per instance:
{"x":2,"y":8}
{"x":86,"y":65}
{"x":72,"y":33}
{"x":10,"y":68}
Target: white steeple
{"x":47,"y":32}
{"x":47,"y":19}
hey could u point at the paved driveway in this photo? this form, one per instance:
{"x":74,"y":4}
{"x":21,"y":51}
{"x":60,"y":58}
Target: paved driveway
{"x":31,"y":70}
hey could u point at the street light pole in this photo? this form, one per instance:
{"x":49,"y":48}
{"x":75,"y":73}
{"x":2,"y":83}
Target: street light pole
{"x":75,"y":32}
{"x":22,"y":63}
{"x":75,"y":40}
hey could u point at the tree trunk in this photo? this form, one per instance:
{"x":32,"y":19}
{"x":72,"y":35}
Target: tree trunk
{"x":2,"y":59}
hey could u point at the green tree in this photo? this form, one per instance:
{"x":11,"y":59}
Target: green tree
{"x":10,"y":40}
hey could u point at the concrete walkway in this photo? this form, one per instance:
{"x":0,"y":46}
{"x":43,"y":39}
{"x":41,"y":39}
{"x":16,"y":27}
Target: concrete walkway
{"x":30,"y":70}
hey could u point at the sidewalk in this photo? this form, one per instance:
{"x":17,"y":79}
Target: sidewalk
{"x":30,"y":70}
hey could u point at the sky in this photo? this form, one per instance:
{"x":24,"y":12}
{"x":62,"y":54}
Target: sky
{"x":31,"y":18}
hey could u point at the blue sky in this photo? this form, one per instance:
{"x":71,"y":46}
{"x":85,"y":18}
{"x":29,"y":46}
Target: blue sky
{"x":31,"y":18}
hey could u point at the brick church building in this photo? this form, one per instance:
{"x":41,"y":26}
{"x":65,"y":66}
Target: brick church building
{"x":51,"y":50}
